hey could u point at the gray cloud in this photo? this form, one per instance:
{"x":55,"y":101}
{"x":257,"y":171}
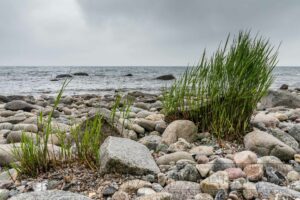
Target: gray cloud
{"x":137,"y":32}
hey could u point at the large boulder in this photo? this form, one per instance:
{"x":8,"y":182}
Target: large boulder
{"x":183,"y":189}
{"x":179,"y":129}
{"x":125,"y":156}
{"x":270,"y":191}
{"x":50,"y":194}
{"x":18,"y":105}
{"x":280,"y":98}
{"x":265,"y":144}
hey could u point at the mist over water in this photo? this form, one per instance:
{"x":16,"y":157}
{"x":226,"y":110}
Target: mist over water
{"x":103,"y":80}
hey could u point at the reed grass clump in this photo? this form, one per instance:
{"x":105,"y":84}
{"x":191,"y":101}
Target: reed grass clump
{"x":221,"y":92}
{"x":39,"y":154}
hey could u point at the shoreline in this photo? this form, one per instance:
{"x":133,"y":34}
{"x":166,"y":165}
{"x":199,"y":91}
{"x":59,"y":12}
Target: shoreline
{"x":173,"y":165}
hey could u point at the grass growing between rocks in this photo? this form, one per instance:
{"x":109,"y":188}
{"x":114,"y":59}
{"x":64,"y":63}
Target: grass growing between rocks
{"x":221,"y":92}
{"x":38,"y":154}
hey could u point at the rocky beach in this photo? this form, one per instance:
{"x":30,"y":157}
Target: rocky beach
{"x":147,"y":158}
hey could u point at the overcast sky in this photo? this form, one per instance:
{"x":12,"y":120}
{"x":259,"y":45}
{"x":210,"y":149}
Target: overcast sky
{"x":138,"y":32}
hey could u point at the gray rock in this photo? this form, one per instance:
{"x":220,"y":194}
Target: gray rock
{"x":189,"y":173}
{"x":13,"y":119}
{"x":183,"y":189}
{"x":280,"y":98}
{"x":286,"y":138}
{"x":50,"y":194}
{"x":294,"y":131}
{"x":179,"y":129}
{"x":26,"y":127}
{"x":123,"y":155}
{"x":265,"y":144}
{"x":6,"y":126}
{"x":295,"y":186}
{"x":221,"y":164}
{"x":174,"y":157}
{"x":16,"y":136}
{"x":267,"y":190}
{"x":146,"y":124}
{"x":151,"y":141}
{"x":4,"y":194}
{"x":6,"y":153}
{"x":275,"y":163}
{"x":18,"y":105}
{"x":215,"y":182}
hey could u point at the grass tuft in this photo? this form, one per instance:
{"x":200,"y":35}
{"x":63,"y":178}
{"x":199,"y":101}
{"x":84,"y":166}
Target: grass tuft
{"x":221,"y":92}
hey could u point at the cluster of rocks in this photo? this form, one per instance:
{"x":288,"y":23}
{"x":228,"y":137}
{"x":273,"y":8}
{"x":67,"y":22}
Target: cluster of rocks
{"x":156,"y":160}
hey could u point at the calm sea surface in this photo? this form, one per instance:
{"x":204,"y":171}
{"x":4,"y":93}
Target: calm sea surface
{"x":101,"y":80}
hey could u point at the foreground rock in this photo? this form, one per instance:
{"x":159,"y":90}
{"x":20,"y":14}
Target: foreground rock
{"x":271,"y":191}
{"x":265,"y":144}
{"x":18,"y":105}
{"x":52,"y":194}
{"x":125,"y":156}
{"x":179,"y":129}
{"x":280,"y":98}
{"x":183,"y":190}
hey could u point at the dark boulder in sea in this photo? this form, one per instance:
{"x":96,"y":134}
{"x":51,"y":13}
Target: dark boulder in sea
{"x":166,"y":77}
{"x":81,"y":74}
{"x":128,"y":75}
{"x":284,"y":87}
{"x":4,"y":99}
{"x":54,"y":79}
{"x":64,"y":76}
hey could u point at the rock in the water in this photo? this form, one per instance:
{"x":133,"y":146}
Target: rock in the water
{"x":280,"y":98}
{"x":179,"y":129}
{"x":215,"y":182}
{"x":123,"y":155}
{"x":64,"y":76}
{"x":265,"y":144}
{"x":166,"y":77}
{"x":267,"y":190}
{"x":183,"y":190}
{"x":80,"y":74}
{"x":244,"y":158}
{"x":18,"y":105}
{"x":50,"y":194}
{"x":284,"y":87}
{"x":174,"y":157}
